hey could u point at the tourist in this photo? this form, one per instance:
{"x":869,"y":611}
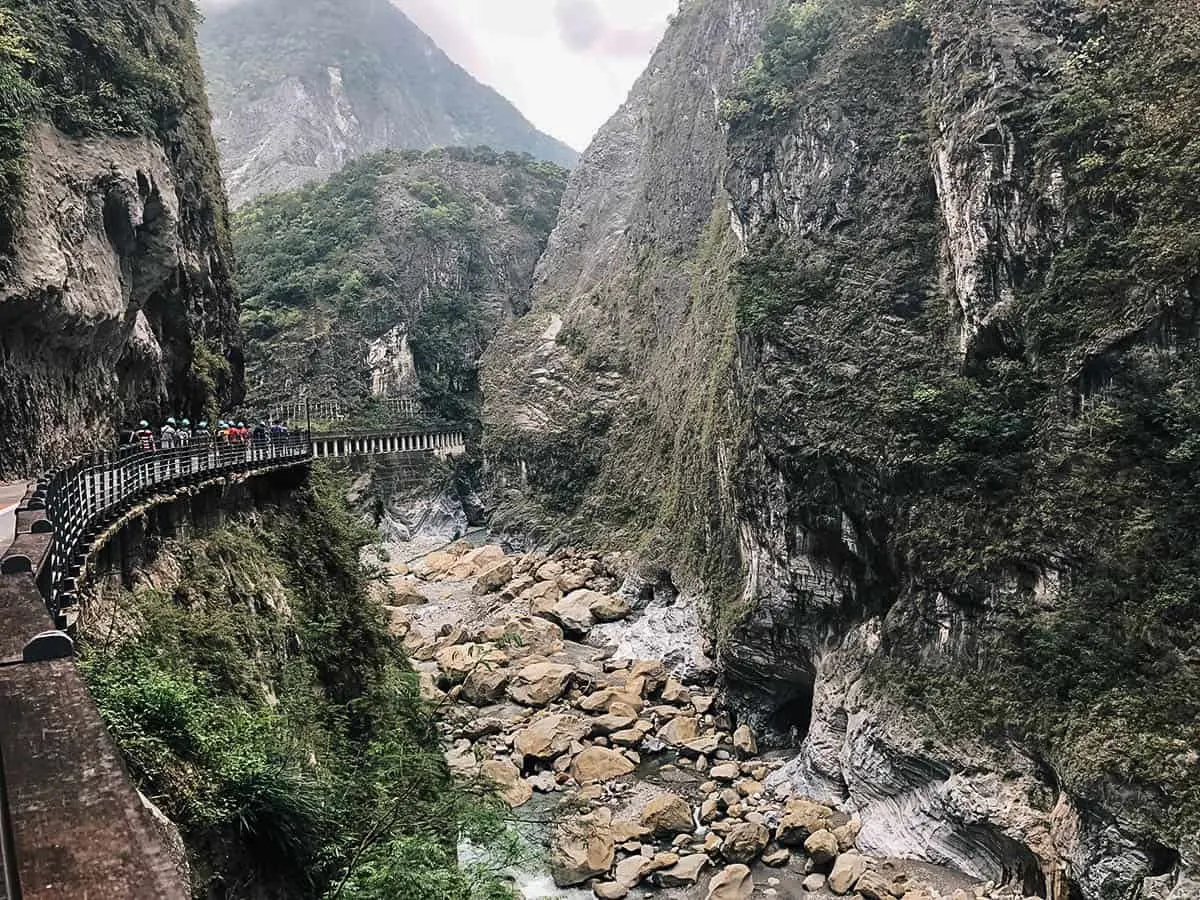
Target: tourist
{"x":144,"y":436}
{"x":166,"y":440}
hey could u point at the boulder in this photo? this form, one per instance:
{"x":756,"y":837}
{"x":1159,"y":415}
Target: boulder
{"x":822,"y":846}
{"x":599,"y":764}
{"x":679,"y":730}
{"x":847,"y":835}
{"x":437,"y":563}
{"x":630,"y":871}
{"x":744,"y":842}
{"x":874,"y":886}
{"x":548,"y":571}
{"x":494,"y":578}
{"x":573,"y":581}
{"x":743,"y":741}
{"x":703,"y":746}
{"x":674,"y":692}
{"x":407,"y":592}
{"x":813,"y":882}
{"x":606,"y":698}
{"x":686,"y":871}
{"x":485,"y":685}
{"x":731,"y":883}
{"x":609,"y":890}
{"x":530,"y":633}
{"x":428,"y":689}
{"x":508,"y":781}
{"x":725,"y":772}
{"x":847,"y":870}
{"x":540,"y":683}
{"x":667,"y":815}
{"x":800,"y":819}
{"x":549,"y":736}
{"x":603,"y":607}
{"x":777,"y":858}
{"x":459,"y":660}
{"x":613,"y":721}
{"x":574,"y":618}
{"x":581,"y":848}
{"x":628,"y":737}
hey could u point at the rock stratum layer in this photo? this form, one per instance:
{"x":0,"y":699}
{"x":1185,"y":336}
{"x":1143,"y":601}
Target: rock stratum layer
{"x":301,"y":88}
{"x":876,"y":319}
{"x":115,"y":289}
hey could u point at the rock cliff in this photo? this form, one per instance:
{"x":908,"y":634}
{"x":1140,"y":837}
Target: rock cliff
{"x":390,"y":279}
{"x":115,"y":293}
{"x":916,"y":415}
{"x":301,"y":87}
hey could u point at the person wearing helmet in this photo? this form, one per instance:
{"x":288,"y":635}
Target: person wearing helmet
{"x":183,"y":434}
{"x":144,"y":436}
{"x":166,"y":438}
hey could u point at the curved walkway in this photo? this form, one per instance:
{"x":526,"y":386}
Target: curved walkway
{"x":72,"y":823}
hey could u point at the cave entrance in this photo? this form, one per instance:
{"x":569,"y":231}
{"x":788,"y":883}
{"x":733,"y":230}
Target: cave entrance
{"x":791,"y":715}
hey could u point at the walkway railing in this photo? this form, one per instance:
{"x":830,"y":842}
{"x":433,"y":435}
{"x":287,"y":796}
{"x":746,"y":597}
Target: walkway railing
{"x":94,"y":490}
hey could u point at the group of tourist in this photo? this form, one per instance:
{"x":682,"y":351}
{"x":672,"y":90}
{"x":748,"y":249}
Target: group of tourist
{"x":175,"y":434}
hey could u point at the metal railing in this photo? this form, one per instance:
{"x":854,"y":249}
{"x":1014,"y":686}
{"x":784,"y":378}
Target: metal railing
{"x":94,"y":490}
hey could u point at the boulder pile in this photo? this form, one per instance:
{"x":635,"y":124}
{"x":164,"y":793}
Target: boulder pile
{"x":658,"y":786}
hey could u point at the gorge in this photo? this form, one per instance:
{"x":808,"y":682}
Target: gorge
{"x":832,"y":420}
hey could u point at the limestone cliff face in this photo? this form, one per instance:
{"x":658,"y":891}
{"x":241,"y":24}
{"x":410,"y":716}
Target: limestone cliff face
{"x":628,"y":334}
{"x":916,"y":415}
{"x":301,"y":87}
{"x":115,"y":292}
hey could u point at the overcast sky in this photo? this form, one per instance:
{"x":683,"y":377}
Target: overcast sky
{"x":567,"y":64}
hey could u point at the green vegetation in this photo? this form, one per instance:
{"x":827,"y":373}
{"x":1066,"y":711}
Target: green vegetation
{"x":112,"y":67}
{"x":399,"y":239}
{"x":1058,"y":456}
{"x":253,"y":686}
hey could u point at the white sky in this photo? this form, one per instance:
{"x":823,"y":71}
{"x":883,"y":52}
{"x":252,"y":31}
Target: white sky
{"x":566,"y":64}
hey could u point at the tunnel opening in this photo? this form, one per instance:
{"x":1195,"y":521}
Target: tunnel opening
{"x":792,"y":719}
{"x":1161,"y":860}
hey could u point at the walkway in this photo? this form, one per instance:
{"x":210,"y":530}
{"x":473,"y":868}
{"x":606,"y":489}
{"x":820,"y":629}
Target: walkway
{"x":71,"y":822}
{"x":11,"y":494}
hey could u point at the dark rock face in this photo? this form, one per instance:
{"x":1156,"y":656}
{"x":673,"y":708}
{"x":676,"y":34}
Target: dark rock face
{"x":921,"y":401}
{"x":116,"y":299}
{"x":301,"y":87}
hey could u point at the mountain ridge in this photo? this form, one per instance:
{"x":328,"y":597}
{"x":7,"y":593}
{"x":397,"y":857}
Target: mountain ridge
{"x":298,"y":92}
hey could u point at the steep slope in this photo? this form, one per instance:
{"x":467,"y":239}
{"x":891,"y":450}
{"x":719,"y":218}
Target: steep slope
{"x":947,"y":437}
{"x":115,"y":294}
{"x":301,"y":87}
{"x":391,"y":278}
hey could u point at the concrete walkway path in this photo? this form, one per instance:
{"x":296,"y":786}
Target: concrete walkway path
{"x":11,"y":494}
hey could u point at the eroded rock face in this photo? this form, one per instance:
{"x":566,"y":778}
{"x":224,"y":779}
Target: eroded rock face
{"x":116,"y":274}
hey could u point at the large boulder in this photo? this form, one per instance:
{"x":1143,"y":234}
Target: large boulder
{"x":603,"y":607}
{"x":686,"y":871}
{"x":528,"y":633}
{"x":667,"y":815}
{"x":549,"y":736}
{"x":406,"y":591}
{"x":475,"y":562}
{"x":540,"y":683}
{"x":485,"y":685}
{"x":731,"y":883}
{"x":606,"y":698}
{"x":507,"y":779}
{"x":802,"y":818}
{"x":743,"y":741}
{"x":679,"y":730}
{"x":874,"y":886}
{"x":572,"y":616}
{"x":847,"y":869}
{"x":459,"y":660}
{"x":582,"y":847}
{"x":744,"y":842}
{"x":494,"y":579}
{"x":822,"y":846}
{"x":599,"y":764}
